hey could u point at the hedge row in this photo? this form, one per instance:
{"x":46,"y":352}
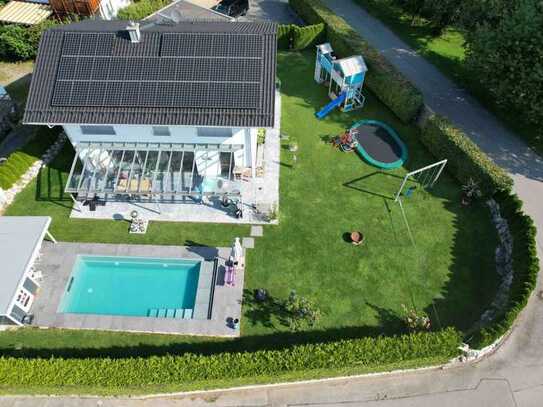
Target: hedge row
{"x":525,"y":269}
{"x":390,"y":86}
{"x":294,"y":37}
{"x":141,"y":9}
{"x":20,"y":161}
{"x":465,"y":159}
{"x":186,"y":370}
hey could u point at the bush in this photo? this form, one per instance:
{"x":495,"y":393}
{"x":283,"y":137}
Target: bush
{"x":141,"y":9}
{"x":525,"y":269}
{"x":20,"y":161}
{"x":465,"y":159}
{"x":391,"y":87}
{"x":190,"y":370}
{"x":19,"y":43}
{"x":293,"y":37}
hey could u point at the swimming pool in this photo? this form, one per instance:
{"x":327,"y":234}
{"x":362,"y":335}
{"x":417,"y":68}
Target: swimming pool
{"x":132,"y":286}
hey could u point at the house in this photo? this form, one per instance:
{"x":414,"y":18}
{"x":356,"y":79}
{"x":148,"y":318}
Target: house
{"x":157,"y":112}
{"x":184,"y":10}
{"x":105,"y":9}
{"x":25,"y":12}
{"x":21,"y":238}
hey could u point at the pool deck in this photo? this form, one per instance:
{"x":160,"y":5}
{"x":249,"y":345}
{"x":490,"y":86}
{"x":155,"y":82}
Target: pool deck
{"x":57,"y":261}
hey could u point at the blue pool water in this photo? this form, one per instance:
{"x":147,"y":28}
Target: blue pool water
{"x":131,"y":286}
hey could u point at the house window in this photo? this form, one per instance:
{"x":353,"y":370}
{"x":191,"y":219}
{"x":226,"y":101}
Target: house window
{"x":214,"y":132}
{"x":161,"y":131}
{"x":98,"y":130}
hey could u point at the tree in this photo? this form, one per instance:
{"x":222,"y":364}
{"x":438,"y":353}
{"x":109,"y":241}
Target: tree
{"x":478,"y":12}
{"x":508,"y":59}
{"x":18,"y":43}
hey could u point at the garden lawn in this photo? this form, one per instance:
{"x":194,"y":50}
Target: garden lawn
{"x":324,"y":194}
{"x":447,"y":52}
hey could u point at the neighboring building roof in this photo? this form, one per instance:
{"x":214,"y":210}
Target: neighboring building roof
{"x":195,"y":74}
{"x":352,"y":65}
{"x":182,"y":10}
{"x":20,"y":12}
{"x":20,"y":236}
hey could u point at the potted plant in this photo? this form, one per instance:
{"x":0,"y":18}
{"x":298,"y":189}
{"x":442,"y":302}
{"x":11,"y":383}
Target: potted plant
{"x":470,"y":192}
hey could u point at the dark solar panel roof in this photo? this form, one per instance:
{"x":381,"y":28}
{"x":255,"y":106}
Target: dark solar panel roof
{"x":198,"y":73}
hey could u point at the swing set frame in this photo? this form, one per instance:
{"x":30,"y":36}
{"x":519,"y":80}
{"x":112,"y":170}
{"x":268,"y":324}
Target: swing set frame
{"x":433,"y":172}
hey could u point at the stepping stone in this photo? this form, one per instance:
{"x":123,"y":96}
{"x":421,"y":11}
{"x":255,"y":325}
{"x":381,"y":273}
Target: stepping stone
{"x":248,"y":242}
{"x":257,"y":231}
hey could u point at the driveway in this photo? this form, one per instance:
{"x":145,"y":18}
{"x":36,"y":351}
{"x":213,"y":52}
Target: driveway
{"x":513,"y":376}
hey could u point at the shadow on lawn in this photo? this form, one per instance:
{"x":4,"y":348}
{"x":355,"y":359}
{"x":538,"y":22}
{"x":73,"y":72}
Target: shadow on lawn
{"x":389,"y":323}
{"x":357,"y":182}
{"x":51,"y":179}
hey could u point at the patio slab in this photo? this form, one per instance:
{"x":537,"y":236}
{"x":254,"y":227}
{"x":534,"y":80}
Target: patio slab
{"x":248,"y":243}
{"x":57,"y":261}
{"x":257,"y":231}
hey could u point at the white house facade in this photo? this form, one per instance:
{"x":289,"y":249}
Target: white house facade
{"x":244,"y":157}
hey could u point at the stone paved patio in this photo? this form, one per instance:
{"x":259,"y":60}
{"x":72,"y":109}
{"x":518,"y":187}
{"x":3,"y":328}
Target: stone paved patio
{"x":57,"y":261}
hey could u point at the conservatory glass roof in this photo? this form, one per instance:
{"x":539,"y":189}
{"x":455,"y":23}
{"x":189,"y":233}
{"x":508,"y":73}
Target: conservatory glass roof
{"x":147,"y":169}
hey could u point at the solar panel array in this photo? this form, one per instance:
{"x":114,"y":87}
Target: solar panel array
{"x":219,"y":70}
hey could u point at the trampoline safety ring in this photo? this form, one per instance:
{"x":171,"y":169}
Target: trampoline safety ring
{"x":379,"y":144}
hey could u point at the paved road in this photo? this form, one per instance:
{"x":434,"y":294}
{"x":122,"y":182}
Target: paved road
{"x":511,"y":377}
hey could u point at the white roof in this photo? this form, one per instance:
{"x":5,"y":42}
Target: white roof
{"x":325,"y":48}
{"x":20,"y":12}
{"x":352,"y":65}
{"x":19,"y":238}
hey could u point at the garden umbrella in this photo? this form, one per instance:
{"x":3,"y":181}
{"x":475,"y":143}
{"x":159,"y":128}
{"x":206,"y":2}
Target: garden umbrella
{"x":237,"y":250}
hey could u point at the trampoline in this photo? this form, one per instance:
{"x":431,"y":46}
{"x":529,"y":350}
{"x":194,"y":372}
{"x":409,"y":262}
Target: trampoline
{"x":379,"y":144}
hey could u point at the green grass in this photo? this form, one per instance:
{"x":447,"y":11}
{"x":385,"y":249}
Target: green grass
{"x":324,"y":195}
{"x":327,"y":193}
{"x":447,"y":52}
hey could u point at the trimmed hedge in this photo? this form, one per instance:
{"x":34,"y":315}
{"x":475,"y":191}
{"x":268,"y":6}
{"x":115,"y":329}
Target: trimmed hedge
{"x":296,"y":38}
{"x":141,"y":9}
{"x":389,"y":85}
{"x":20,"y":161}
{"x":525,"y":269}
{"x":187,"y":370}
{"x":465,"y":159}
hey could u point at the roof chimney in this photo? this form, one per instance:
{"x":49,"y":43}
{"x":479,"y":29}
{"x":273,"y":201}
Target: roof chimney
{"x":134,"y":31}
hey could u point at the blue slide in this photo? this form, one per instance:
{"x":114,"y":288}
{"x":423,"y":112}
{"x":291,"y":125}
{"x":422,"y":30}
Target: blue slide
{"x":332,"y":105}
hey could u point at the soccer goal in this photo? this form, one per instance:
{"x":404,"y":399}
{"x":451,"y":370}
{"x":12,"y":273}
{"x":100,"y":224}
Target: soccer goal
{"x":425,"y":177}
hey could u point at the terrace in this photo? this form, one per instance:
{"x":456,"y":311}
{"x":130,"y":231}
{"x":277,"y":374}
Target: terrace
{"x":154,"y":179}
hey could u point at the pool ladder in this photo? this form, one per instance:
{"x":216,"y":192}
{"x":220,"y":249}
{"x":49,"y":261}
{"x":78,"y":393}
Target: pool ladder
{"x":175,"y":313}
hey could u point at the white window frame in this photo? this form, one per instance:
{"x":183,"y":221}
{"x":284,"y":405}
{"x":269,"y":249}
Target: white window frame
{"x":229,"y":132}
{"x":161,"y":131}
{"x":98,"y":130}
